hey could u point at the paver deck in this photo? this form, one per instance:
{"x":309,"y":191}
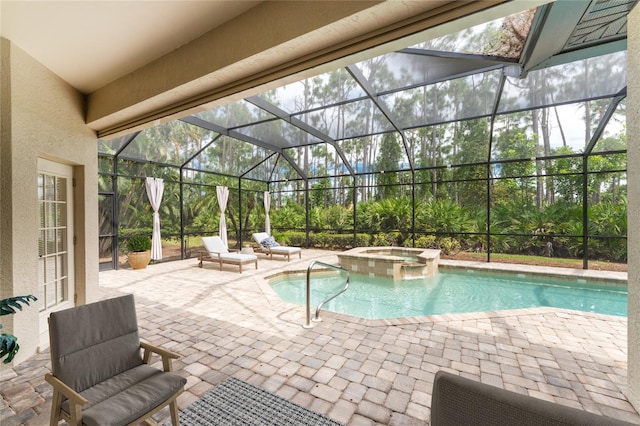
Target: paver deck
{"x":360,"y":372}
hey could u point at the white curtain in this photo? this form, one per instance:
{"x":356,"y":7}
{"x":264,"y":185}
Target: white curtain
{"x":267,"y":206}
{"x":223,"y":197}
{"x":155,"y":189}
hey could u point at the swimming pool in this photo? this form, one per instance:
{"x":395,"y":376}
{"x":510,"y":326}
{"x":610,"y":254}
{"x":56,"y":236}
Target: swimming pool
{"x":449,"y":292}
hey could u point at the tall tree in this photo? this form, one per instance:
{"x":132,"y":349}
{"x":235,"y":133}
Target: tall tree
{"x":388,"y":160}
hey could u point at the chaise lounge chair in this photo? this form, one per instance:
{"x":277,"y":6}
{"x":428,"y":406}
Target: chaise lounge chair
{"x":267,"y":245}
{"x":216,"y":251}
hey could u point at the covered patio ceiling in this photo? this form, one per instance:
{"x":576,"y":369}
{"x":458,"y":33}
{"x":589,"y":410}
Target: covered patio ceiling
{"x":501,"y":60}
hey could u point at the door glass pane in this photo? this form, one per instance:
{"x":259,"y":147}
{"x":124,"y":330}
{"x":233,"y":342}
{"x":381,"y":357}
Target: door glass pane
{"x":50,"y":215}
{"x":60,"y":290}
{"x":41,"y":243}
{"x":61,"y":267}
{"x":49,"y":191}
{"x":61,"y":189}
{"x":50,"y":269}
{"x":63,"y":214}
{"x":42,"y":216}
{"x":61,"y":240}
{"x":51,"y":241}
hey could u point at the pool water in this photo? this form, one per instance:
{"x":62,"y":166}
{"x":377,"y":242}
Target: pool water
{"x":449,"y":292}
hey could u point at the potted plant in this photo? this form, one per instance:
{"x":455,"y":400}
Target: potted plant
{"x":139,"y":247}
{"x":8,"y":342}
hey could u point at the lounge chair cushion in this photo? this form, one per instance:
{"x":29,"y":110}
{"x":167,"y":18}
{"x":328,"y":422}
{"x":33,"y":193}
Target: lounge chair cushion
{"x":285,"y":250}
{"x":260,"y":236}
{"x":214,"y":245}
{"x":236,"y":257}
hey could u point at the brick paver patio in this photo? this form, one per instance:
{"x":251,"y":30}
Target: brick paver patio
{"x":360,"y":372}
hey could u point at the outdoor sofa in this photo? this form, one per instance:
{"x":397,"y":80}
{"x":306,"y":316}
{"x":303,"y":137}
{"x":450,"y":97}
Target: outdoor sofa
{"x":458,"y":401}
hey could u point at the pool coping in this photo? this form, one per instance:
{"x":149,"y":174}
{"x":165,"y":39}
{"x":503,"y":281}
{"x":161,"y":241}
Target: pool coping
{"x":580,"y":275}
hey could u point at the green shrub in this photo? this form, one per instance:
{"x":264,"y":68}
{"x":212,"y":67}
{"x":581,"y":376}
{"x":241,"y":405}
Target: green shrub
{"x":139,"y":243}
{"x":423,"y":241}
{"x":337,"y":217}
{"x":294,"y":238}
{"x":387,"y":239}
{"x":344,"y":241}
{"x":448,"y":245}
{"x":324,"y":240}
{"x":363,"y":240}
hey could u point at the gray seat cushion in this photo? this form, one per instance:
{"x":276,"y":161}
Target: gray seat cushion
{"x":127,"y":396}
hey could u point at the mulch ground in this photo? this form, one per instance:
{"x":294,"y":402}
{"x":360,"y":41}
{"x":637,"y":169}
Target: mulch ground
{"x":595,"y":265}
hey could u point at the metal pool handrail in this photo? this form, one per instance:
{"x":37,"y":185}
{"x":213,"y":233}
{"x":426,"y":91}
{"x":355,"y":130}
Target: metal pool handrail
{"x":308,"y":301}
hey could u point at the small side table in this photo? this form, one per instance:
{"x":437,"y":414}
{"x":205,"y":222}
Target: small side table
{"x":247,"y":250}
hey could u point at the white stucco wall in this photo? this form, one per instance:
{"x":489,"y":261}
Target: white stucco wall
{"x":633,"y":175}
{"x":42,"y":116}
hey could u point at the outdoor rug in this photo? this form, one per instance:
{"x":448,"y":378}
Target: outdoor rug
{"x":235,"y":402}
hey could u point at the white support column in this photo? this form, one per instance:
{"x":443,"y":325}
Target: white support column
{"x":633,"y":178}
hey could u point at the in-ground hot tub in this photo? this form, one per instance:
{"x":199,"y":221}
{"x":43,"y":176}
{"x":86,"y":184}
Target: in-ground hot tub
{"x":392,"y":262}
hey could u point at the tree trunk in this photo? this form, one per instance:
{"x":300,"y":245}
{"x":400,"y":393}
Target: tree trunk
{"x":564,"y":139}
{"x":549,"y":191}
{"x":587,"y":122}
{"x":539,"y":184}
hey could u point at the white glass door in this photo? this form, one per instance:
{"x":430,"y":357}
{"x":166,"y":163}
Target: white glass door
{"x":55,"y":241}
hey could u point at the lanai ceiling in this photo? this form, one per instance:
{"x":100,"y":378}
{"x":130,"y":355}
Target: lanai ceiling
{"x":91,"y":43}
{"x":279,"y":121}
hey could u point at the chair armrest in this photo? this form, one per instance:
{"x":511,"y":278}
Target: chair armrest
{"x":166,"y":355}
{"x":203,"y":253}
{"x":74,"y":397}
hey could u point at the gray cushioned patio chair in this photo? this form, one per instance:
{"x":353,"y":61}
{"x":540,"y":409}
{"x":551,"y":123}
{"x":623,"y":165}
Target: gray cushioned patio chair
{"x":460,"y":401}
{"x":98,"y":374}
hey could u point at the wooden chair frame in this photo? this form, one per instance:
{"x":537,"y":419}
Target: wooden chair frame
{"x":76,"y":401}
{"x":205,"y":256}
